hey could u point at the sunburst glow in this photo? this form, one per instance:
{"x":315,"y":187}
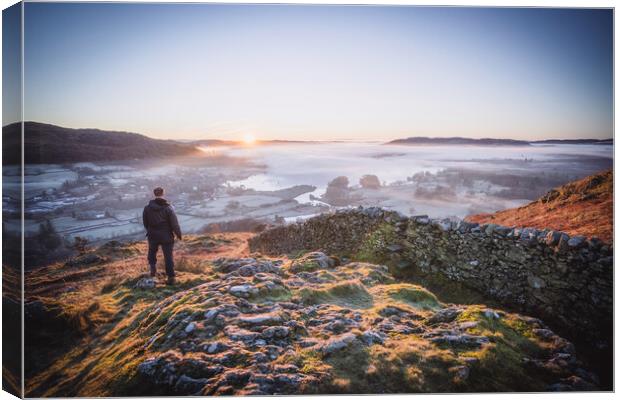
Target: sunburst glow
{"x":249,"y":139}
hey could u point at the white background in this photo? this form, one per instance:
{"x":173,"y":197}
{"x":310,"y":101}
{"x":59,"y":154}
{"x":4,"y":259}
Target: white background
{"x":531,"y":3}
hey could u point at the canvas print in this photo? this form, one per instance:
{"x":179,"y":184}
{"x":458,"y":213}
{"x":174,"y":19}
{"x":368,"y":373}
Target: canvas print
{"x":287,"y":199}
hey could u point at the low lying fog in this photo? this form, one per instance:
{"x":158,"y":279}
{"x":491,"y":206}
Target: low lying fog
{"x":440,"y":181}
{"x":236,"y":188}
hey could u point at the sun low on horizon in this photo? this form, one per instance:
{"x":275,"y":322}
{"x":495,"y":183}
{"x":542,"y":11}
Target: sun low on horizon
{"x":248,"y":139}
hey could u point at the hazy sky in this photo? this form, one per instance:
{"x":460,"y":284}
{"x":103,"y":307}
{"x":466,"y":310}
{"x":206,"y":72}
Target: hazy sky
{"x":319,"y":72}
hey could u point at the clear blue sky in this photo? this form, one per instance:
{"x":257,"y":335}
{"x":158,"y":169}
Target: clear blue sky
{"x":320,"y":72}
{"x":11,"y":64}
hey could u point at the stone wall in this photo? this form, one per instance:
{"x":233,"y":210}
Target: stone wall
{"x":565,"y":281}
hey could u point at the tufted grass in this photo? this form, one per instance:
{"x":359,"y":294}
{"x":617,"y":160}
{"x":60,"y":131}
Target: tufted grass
{"x":279,"y":293}
{"x":193,"y":266}
{"x":402,"y":365}
{"x":360,"y":270}
{"x":413,"y":295}
{"x":512,"y":339}
{"x":347,"y":294}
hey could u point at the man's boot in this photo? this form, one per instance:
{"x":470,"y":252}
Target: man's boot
{"x":171,"y":280}
{"x":153,"y":271}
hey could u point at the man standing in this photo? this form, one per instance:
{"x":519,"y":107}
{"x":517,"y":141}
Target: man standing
{"x":161,"y":226}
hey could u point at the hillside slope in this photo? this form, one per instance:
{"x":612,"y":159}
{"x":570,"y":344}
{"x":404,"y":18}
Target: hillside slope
{"x":50,"y":144}
{"x":583,"y":207}
{"x":250,"y":324}
{"x":462,"y":141}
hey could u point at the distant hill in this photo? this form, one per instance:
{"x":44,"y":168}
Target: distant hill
{"x":575,"y":141}
{"x":427,"y":141}
{"x":420,"y":140}
{"x":583,"y":207}
{"x":51,"y":144}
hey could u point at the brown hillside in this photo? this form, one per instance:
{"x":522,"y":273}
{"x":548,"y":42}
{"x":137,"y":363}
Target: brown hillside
{"x":583,"y":207}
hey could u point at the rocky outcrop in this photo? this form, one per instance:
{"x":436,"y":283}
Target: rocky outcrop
{"x":295,"y":331}
{"x":565,"y":281}
{"x":309,"y":323}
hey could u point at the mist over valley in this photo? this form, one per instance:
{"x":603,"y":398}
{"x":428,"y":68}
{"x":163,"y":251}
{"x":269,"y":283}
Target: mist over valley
{"x":229,"y":185}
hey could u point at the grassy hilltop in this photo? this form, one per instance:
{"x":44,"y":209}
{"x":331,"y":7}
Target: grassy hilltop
{"x":240,"y":323}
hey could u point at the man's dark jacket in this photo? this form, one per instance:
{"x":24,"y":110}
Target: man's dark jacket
{"x":160,"y":221}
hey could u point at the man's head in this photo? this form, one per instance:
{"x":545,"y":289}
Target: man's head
{"x":158,"y":192}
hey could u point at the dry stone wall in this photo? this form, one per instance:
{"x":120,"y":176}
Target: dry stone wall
{"x":564,"y":280}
